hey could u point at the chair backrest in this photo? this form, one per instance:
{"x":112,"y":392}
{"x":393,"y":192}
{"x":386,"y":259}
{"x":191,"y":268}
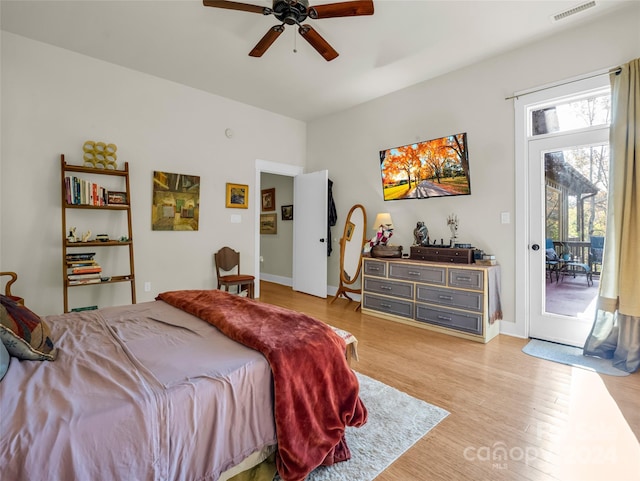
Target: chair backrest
{"x":549,"y":244}
{"x":597,"y":242}
{"x":227,"y":259}
{"x":596,"y":249}
{"x":7,"y":287}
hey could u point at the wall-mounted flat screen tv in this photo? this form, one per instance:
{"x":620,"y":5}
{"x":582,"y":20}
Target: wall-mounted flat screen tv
{"x":432,"y":168}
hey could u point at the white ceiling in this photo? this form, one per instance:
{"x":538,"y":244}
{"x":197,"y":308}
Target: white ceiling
{"x":405,"y":42}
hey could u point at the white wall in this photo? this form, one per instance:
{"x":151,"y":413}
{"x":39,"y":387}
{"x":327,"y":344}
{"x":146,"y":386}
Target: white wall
{"x":53,"y":100}
{"x":469,"y":100}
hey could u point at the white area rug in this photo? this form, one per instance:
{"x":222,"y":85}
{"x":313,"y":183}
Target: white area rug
{"x":396,"y":422}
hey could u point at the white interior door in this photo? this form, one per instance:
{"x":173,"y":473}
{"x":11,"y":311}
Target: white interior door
{"x":544,"y":324}
{"x":310,"y":200}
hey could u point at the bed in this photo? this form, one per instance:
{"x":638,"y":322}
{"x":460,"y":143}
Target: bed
{"x":195,"y":385}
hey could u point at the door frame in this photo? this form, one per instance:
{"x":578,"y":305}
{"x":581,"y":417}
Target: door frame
{"x":267,"y":167}
{"x":523,"y":100}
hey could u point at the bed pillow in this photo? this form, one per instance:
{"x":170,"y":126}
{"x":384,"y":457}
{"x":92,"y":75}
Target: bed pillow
{"x":23,"y":333}
{"x":4,"y":360}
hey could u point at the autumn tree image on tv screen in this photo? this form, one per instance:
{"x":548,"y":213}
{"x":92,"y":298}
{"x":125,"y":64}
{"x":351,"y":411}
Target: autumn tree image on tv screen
{"x":432,"y":168}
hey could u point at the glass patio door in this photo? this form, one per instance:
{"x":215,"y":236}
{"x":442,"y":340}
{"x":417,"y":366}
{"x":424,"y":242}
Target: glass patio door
{"x":567,"y":208}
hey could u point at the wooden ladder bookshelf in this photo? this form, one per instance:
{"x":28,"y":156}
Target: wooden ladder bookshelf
{"x":96,"y":205}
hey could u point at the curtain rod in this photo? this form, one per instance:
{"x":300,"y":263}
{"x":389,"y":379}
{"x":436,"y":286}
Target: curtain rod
{"x":616,"y":70}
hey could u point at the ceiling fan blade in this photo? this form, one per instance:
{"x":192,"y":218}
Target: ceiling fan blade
{"x":342,"y":9}
{"x":244,"y":7}
{"x":266,"y":41}
{"x":317,"y":42}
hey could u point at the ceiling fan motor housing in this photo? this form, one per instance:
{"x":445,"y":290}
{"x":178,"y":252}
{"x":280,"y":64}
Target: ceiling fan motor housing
{"x":291,"y":12}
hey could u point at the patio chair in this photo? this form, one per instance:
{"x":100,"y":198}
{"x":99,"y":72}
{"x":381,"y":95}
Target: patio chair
{"x":595,"y":252}
{"x":552,"y":260}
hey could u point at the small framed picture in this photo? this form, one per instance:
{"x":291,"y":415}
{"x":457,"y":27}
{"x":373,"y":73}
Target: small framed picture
{"x":287,"y":212}
{"x":350,"y":228}
{"x":237,"y":196}
{"x":268,"y":223}
{"x":268,"y":199}
{"x":114,"y":197}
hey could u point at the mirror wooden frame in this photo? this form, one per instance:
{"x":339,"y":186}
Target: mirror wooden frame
{"x":351,"y":245}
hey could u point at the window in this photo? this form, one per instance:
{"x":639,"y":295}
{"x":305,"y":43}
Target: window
{"x":590,"y":110}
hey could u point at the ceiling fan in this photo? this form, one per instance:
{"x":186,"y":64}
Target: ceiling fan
{"x":292,"y":12}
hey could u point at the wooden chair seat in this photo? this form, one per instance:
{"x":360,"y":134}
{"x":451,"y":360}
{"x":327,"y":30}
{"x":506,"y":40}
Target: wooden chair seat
{"x":226,"y":260}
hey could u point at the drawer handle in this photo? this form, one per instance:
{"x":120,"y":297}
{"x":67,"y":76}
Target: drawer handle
{"x":444,"y":318}
{"x":446,"y":298}
{"x":373,"y":268}
{"x":386,"y":288}
{"x":414,"y":273}
{"x":385,"y":305}
{"x":458,"y":278}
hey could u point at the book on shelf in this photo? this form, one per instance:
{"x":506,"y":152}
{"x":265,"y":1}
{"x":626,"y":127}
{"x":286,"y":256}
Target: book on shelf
{"x":82,"y":263}
{"x":79,"y":277}
{"x":79,"y":191}
{"x":80,"y":256}
{"x":85,"y":270}
{"x":86,"y":308}
{"x":84,"y":281}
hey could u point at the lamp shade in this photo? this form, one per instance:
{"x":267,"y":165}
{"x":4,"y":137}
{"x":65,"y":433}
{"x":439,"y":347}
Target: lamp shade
{"x":383,"y":218}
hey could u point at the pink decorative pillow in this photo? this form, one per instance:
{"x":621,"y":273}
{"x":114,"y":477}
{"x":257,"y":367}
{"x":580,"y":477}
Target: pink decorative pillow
{"x":23,"y":333}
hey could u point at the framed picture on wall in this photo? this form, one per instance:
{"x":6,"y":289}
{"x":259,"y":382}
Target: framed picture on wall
{"x":287,"y":212}
{"x":268,"y":223}
{"x":237,"y":196}
{"x":268,"y":199}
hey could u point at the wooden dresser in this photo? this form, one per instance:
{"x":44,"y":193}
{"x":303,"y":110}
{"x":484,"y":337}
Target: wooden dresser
{"x":460,"y":300}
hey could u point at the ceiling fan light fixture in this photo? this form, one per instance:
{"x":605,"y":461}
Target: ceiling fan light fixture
{"x":295,"y":12}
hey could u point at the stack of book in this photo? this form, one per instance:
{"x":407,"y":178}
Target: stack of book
{"x":82,"y":192}
{"x":82,"y":268}
{"x":487,"y":260}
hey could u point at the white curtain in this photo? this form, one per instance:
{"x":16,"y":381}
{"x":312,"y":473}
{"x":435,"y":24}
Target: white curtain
{"x":616,"y":329}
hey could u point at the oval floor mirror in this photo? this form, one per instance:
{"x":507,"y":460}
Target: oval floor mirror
{"x":351,"y":243}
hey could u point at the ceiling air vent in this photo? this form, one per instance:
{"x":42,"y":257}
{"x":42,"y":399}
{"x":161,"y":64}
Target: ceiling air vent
{"x":572,"y":11}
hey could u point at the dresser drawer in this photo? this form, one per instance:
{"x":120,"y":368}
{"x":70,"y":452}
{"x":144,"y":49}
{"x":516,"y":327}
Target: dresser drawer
{"x":450,"y":297}
{"x":468,"y":278}
{"x":442,"y":254}
{"x":451,"y":319}
{"x":416,"y":273}
{"x":388,"y":306}
{"x":389,"y":288}
{"x":375,"y":268}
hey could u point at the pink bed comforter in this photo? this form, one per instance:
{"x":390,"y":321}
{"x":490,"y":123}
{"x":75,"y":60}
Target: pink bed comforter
{"x":144,"y":392}
{"x":316,"y":392}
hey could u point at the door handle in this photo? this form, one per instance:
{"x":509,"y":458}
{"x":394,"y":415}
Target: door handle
{"x":535,"y":247}
{"x":321,"y":240}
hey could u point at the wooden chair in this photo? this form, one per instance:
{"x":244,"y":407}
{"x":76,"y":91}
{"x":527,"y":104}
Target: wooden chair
{"x":7,"y":287}
{"x":226,"y":259}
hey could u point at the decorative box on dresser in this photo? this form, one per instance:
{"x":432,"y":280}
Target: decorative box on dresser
{"x":457,"y":299}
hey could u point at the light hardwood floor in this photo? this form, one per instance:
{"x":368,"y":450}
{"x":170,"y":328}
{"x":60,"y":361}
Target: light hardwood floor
{"x":512,"y":416}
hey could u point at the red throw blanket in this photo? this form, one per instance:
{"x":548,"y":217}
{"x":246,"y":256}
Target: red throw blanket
{"x":316,"y":392}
